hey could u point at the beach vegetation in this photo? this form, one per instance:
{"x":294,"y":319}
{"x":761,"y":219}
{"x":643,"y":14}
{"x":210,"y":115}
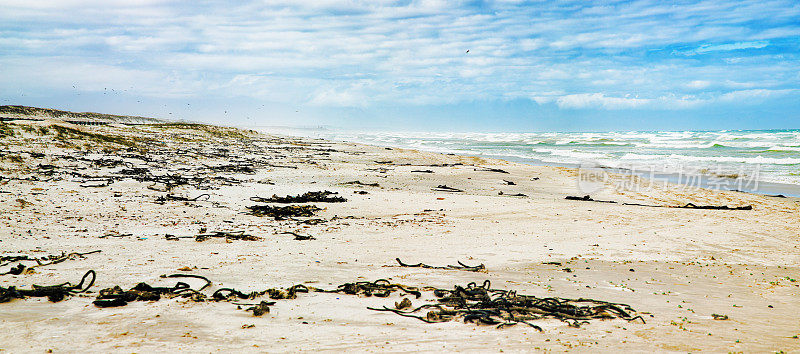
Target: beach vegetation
{"x":13,"y":158}
{"x":215,"y":131}
{"x":6,"y":130}
{"x":64,"y":134}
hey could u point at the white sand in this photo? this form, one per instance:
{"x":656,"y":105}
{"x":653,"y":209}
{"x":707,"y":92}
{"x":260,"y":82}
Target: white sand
{"x":679,"y":265}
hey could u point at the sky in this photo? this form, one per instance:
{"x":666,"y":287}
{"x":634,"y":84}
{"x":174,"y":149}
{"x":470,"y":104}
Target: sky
{"x":424,"y":65}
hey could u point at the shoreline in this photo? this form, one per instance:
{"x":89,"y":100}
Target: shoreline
{"x":766,"y":188}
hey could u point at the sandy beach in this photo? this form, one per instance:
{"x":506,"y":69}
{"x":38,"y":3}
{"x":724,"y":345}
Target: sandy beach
{"x":140,"y":194}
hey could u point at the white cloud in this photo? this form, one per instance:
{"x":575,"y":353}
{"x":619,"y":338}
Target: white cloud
{"x":369,"y":53}
{"x":698,"y":84}
{"x":754,"y":95}
{"x":599,"y":100}
{"x":708,"y":48}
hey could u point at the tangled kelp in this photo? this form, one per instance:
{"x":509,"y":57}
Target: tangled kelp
{"x":472,"y":303}
{"x":235,"y":235}
{"x":484,"y":305}
{"x":115,"y":296}
{"x":308,"y":197}
{"x":40,"y":261}
{"x":54,"y":293}
{"x":460,"y":266}
{"x":280,"y":213}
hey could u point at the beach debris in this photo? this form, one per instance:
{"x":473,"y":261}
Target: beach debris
{"x":445,"y":188}
{"x":115,"y":235}
{"x":262,"y":308}
{"x":587,"y":198}
{"x":406,"y":303}
{"x":512,"y":195}
{"x":54,"y":293}
{"x":308,"y":197}
{"x":234,"y":235}
{"x":486,"y":169}
{"x":460,"y":266}
{"x":360,"y":192}
{"x":230,"y":294}
{"x":97,"y":183}
{"x":171,"y":197}
{"x":359,"y":183}
{"x":115,"y":296}
{"x":509,"y":183}
{"x":421,"y":171}
{"x":719,"y":317}
{"x":235,"y":168}
{"x":713,"y":207}
{"x":281,"y":213}
{"x":383,"y":162}
{"x":313,"y":221}
{"x":471,"y":303}
{"x":299,"y":237}
{"x":446,"y":164}
{"x":40,"y":262}
{"x":378,"y":288}
{"x":481,"y":304}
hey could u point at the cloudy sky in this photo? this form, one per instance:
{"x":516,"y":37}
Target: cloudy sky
{"x":414,"y":65}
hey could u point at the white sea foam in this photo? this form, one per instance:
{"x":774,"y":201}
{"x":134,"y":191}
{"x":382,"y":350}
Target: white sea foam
{"x":776,"y":152}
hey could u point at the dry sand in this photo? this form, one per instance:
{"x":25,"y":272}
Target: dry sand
{"x":677,"y":267}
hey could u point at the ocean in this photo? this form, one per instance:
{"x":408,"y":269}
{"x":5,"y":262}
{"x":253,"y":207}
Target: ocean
{"x":765,"y":161}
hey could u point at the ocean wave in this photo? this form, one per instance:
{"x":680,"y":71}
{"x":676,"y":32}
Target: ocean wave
{"x":784,"y":148}
{"x":776,"y":152}
{"x":747,"y":160}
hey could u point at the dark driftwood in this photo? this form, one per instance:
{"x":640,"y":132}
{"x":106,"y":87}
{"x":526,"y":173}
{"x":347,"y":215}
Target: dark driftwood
{"x":687,"y":206}
{"x":445,"y":188}
{"x":460,"y":266}
{"x":484,"y":169}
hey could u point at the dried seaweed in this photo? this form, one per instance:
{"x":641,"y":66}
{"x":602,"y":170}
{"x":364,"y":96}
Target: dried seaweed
{"x":54,"y":293}
{"x":460,"y":266}
{"x":40,"y":262}
{"x":280,"y":213}
{"x":235,"y":235}
{"x":359,"y":183}
{"x":483,"y":305}
{"x":308,"y":197}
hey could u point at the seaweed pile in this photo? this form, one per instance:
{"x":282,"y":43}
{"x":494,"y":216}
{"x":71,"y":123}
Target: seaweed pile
{"x":308,"y":197}
{"x":54,"y":293}
{"x":484,"y":305}
{"x":115,"y":296}
{"x":281,"y":213}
